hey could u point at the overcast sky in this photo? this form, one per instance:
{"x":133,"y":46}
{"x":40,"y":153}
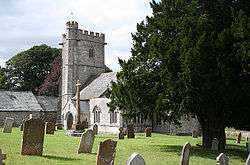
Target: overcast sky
{"x":25,"y":23}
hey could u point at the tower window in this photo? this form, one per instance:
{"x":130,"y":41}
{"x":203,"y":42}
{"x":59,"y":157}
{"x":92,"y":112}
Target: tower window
{"x":91,"y":53}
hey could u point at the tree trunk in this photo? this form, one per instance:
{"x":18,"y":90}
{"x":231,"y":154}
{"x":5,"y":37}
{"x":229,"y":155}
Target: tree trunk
{"x":212,"y":127}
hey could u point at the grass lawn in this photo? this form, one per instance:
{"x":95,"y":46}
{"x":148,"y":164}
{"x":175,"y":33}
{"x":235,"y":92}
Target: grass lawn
{"x":158,"y":150}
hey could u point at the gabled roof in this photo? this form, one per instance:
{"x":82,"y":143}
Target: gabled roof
{"x":98,"y":86}
{"x":48,"y":103}
{"x":18,"y":101}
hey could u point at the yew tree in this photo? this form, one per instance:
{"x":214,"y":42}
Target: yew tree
{"x":190,"y":57}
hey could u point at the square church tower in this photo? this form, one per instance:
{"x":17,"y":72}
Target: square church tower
{"x":82,"y":58}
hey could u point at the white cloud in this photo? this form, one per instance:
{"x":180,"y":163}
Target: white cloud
{"x":28,"y":22}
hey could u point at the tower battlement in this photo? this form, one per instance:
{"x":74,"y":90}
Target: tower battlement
{"x":72,"y":24}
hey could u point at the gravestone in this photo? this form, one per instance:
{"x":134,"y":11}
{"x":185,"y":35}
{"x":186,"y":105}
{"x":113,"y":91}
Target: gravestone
{"x":86,"y":142}
{"x":195,"y":134}
{"x":8,"y":125}
{"x":121,"y":134}
{"x":215,"y":144}
{"x":21,"y":126}
{"x":50,"y":127}
{"x":95,"y":129}
{"x":131,"y":131}
{"x":185,"y":154}
{"x":2,"y":157}
{"x":248,"y":146}
{"x":106,"y":153}
{"x":248,"y":160}
{"x":33,"y":137}
{"x":222,"y":159}
{"x":238,"y":138}
{"x":148,"y":132}
{"x":135,"y":159}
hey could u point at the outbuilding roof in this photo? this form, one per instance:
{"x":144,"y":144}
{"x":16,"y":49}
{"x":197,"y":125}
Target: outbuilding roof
{"x":18,"y":101}
{"x":98,"y":86}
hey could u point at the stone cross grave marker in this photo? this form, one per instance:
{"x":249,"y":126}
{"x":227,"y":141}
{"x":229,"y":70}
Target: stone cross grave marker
{"x":222,"y":159}
{"x":238,"y":138}
{"x":135,"y":159}
{"x":8,"y":125}
{"x":106,"y":152}
{"x":131,"y":131}
{"x":50,"y":127}
{"x":248,"y":160}
{"x":95,"y":129}
{"x":215,"y":144}
{"x":121,"y":134}
{"x":148,"y":132}
{"x":86,"y":142}
{"x":2,"y":157}
{"x":33,"y":137}
{"x":185,"y":154}
{"x":248,"y":146}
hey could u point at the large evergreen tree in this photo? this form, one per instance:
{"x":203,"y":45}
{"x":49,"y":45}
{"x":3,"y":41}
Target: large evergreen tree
{"x":190,"y":57}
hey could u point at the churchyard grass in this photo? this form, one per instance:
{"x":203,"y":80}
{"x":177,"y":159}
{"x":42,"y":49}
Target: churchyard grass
{"x":156,"y":150}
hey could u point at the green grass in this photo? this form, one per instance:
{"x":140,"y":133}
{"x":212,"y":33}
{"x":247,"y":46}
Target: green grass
{"x":158,"y":150}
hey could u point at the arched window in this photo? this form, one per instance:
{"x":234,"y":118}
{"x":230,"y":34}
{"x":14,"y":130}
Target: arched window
{"x":96,"y":113}
{"x":113,"y":117}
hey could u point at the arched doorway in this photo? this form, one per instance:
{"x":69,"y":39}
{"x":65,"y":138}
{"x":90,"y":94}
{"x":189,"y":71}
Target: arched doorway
{"x":69,"y":121}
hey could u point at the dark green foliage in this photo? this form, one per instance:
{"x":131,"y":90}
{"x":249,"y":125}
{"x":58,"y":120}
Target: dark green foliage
{"x":190,"y":57}
{"x":28,"y":69}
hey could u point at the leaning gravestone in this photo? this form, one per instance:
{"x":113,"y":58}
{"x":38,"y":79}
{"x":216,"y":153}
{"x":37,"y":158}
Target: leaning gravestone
{"x":215,"y":144}
{"x":86,"y":142}
{"x":95,"y":129}
{"x":33,"y":137}
{"x":222,"y":159}
{"x":106,"y":153}
{"x":50,"y":127}
{"x":238,"y":138}
{"x":121,"y":134}
{"x":248,"y":160}
{"x":148,"y":132}
{"x":2,"y":157}
{"x":131,"y":131}
{"x":185,"y":154}
{"x":248,"y":146}
{"x":8,"y":125}
{"x":135,"y":159}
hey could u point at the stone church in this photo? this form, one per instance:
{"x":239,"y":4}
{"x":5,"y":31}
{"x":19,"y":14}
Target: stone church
{"x":83,"y":54}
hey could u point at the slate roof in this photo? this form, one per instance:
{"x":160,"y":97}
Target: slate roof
{"x":98,"y":86}
{"x":18,"y":101}
{"x":48,"y":103}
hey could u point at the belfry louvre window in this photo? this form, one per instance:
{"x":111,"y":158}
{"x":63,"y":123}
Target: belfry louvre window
{"x":97,"y":112}
{"x":113,"y":117}
{"x":91,"y":53}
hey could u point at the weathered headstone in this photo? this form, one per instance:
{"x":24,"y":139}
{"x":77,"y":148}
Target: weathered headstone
{"x":215,"y":144}
{"x":195,"y":134}
{"x":106,"y":153}
{"x":33,"y":137}
{"x":8,"y":125}
{"x":131,"y":131}
{"x":50,"y":127}
{"x":86,"y":142}
{"x":148,"y":132}
{"x":222,"y":159}
{"x":2,"y":157}
{"x":248,"y":146}
{"x":248,"y":160}
{"x":135,"y":159}
{"x":95,"y":129}
{"x":185,"y":154}
{"x":238,"y":138}
{"x":121,"y":134}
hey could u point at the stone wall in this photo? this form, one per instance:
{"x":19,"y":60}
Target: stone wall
{"x":19,"y":116}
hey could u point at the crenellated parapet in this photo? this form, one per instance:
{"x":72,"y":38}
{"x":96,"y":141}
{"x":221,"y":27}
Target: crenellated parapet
{"x":72,"y":24}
